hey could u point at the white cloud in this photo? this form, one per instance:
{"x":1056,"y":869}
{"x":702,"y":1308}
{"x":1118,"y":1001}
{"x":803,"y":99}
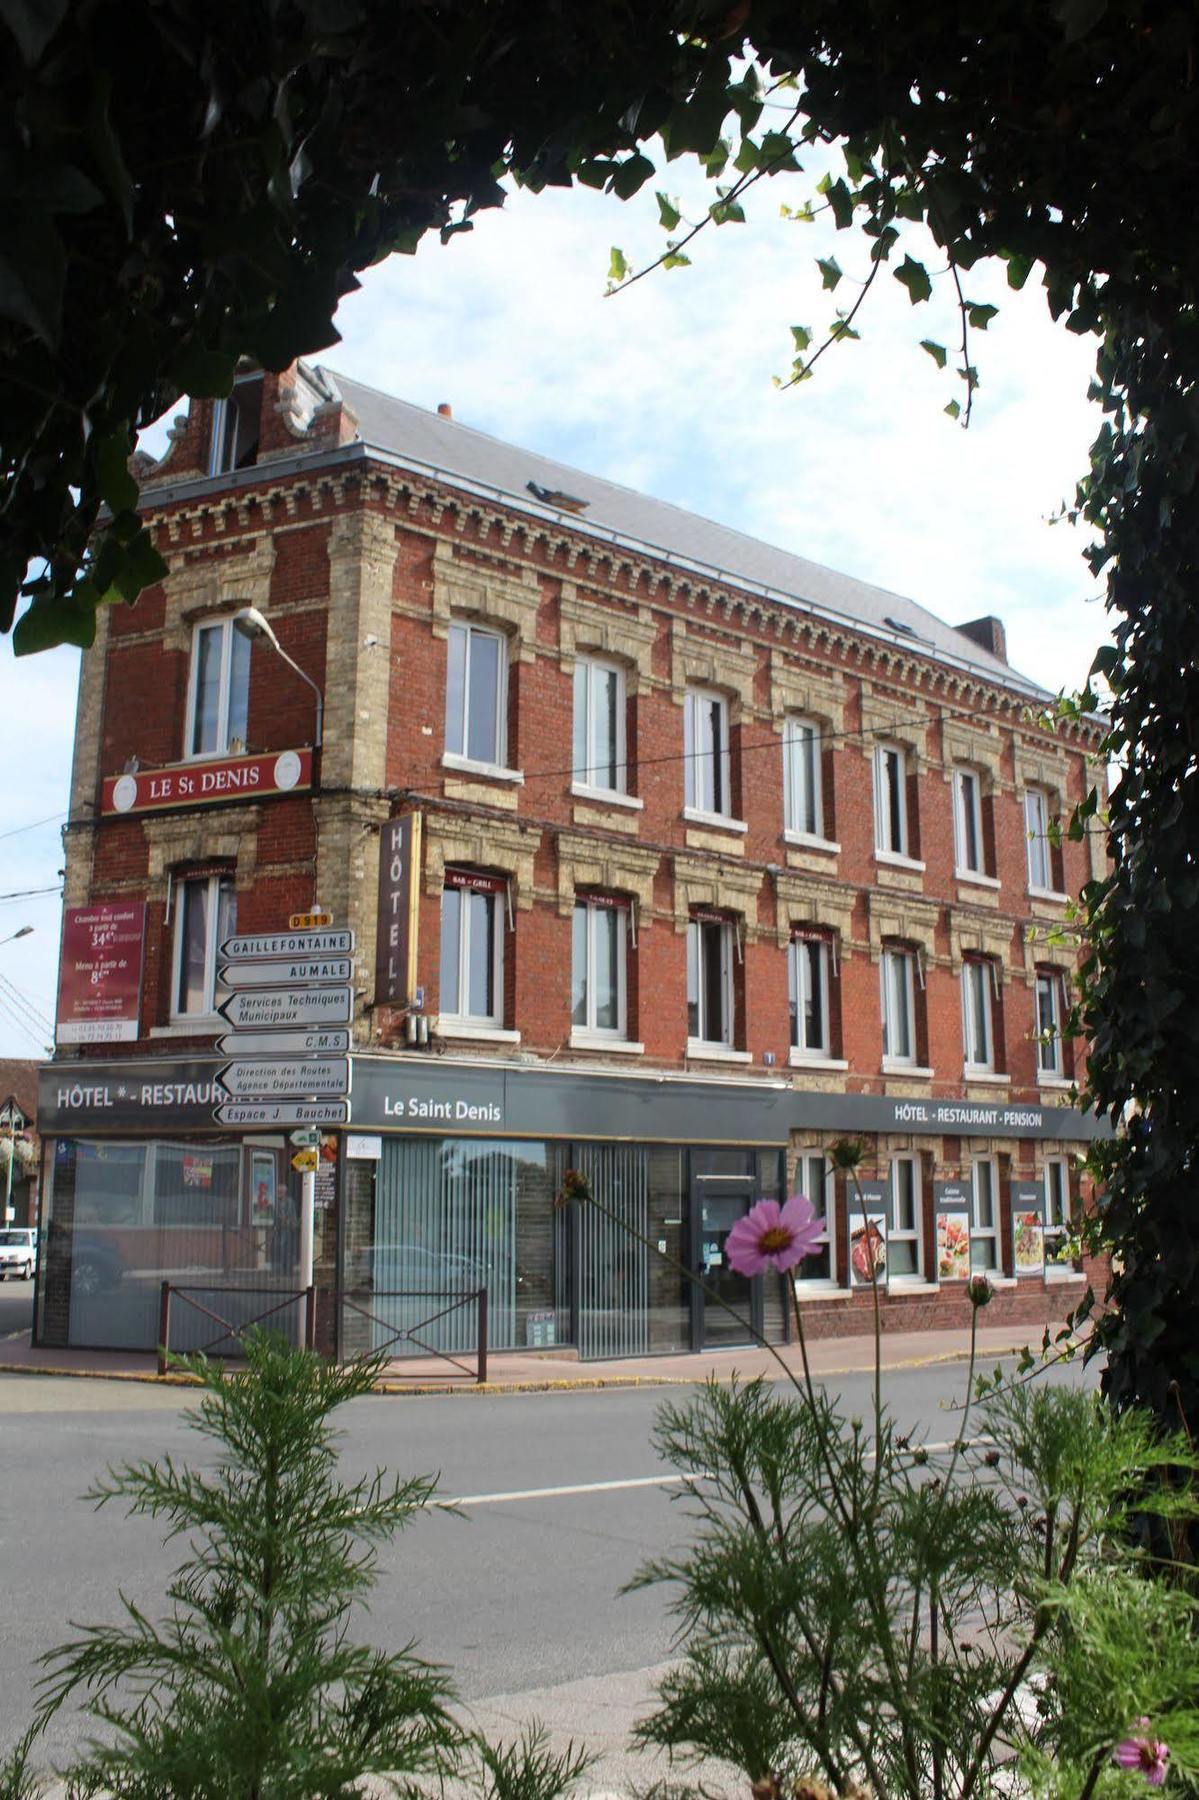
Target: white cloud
{"x":667,"y":388}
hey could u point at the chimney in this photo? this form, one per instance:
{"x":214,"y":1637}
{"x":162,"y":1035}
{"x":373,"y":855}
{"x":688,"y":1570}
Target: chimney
{"x":989,"y":633}
{"x":445,"y":410}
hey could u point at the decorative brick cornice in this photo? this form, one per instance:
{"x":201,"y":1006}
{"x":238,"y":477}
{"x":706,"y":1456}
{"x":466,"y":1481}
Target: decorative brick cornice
{"x":615,"y":867}
{"x":198,"y":585}
{"x":1042,"y":765}
{"x":729,"y":667}
{"x":199,"y":838}
{"x":483,"y":844}
{"x":976,"y":743}
{"x":726,"y":888}
{"x":796,"y":689}
{"x":905,"y":918}
{"x":980,"y":934}
{"x":899,"y":718}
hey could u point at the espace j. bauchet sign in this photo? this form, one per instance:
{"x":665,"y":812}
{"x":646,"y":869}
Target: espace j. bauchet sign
{"x":171,"y":1095}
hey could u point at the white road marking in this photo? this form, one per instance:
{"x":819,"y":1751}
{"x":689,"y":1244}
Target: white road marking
{"x":565,"y":1493}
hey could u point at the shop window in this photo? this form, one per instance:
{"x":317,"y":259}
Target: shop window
{"x":1040,"y":850}
{"x":236,"y":424}
{"x":219,"y":689}
{"x":808,"y":971}
{"x":891,"y":833}
{"x":978,"y":1023}
{"x":905,"y":1238}
{"x":708,"y":786}
{"x":599,"y":726}
{"x":968,"y":852}
{"x":1057,"y":1211}
{"x":898,"y":980}
{"x":599,"y":976}
{"x":984,"y":1221}
{"x":476,"y":698}
{"x":196,"y":1185}
{"x":205,"y":915}
{"x":814,"y":1178}
{"x":711,"y":949}
{"x":1050,"y":1049}
{"x":803,"y":785}
{"x":472,"y":948}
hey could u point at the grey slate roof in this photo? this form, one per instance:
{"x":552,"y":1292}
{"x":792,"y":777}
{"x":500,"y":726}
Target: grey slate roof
{"x":426,"y":441}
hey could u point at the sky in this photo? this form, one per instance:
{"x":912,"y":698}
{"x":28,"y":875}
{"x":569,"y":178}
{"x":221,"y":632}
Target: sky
{"x":667,"y":387}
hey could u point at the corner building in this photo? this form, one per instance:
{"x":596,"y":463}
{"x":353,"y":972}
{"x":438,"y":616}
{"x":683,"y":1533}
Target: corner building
{"x":671,"y":858}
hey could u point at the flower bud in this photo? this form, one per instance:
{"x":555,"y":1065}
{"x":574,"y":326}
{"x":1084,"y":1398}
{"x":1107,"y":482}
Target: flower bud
{"x":979,"y":1290}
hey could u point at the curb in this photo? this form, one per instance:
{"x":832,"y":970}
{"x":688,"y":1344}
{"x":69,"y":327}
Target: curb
{"x":566,"y":1385}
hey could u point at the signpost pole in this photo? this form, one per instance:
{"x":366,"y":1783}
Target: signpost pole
{"x":307,"y":1223}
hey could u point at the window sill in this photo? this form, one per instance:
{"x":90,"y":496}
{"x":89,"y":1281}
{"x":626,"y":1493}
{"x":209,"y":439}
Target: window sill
{"x":1062,"y":1277}
{"x":798,"y":1059}
{"x":465,"y":765}
{"x":912,"y":1070}
{"x":1060,"y":1083}
{"x":976,"y":878}
{"x":804,"y":840}
{"x":698,"y":1050}
{"x":605,"y":796}
{"x":1038,"y":893}
{"x":714,"y":821}
{"x":203,"y":1025}
{"x":819,"y":1290}
{"x":891,"y":859}
{"x":610,"y":1046}
{"x":987,"y":1077}
{"x":912,"y":1284}
{"x":475,"y":1031}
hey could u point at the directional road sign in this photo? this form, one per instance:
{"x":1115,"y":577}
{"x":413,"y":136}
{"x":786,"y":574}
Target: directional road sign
{"x":286,"y":1078}
{"x":283,"y":1009}
{"x":283,"y":1112}
{"x":287,"y":943}
{"x":285,"y":974}
{"x":315,"y":1041}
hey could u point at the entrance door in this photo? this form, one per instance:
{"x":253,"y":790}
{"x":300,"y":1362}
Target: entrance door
{"x":723,"y":1188}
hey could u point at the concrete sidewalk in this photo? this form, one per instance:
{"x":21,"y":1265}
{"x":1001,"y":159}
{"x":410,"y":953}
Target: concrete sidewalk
{"x":528,"y":1371}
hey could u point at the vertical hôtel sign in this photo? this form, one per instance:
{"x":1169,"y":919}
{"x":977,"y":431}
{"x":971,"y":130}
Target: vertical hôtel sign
{"x":100,"y":977}
{"x":399,"y":895}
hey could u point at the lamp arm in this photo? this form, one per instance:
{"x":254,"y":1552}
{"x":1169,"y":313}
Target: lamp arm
{"x":320,"y":698}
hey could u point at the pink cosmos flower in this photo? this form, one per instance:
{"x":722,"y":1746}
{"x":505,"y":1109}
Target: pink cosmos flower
{"x":771,"y":1236}
{"x":1147,"y":1754}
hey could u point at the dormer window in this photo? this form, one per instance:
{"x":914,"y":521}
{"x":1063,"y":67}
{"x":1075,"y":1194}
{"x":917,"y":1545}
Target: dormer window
{"x":235,"y":426}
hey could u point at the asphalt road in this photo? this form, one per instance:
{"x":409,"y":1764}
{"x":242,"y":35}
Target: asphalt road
{"x":520,"y":1594}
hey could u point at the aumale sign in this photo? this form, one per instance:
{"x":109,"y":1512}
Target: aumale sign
{"x":287,"y":944}
{"x":205,"y":783}
{"x":285,"y":973}
{"x":286,"y":1008}
{"x":100,"y":974}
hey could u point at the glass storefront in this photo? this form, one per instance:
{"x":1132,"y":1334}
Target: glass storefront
{"x":122,"y":1218}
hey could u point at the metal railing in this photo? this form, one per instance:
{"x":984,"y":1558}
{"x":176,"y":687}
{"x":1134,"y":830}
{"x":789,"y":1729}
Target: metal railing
{"x":231,"y":1330}
{"x":408,"y":1334}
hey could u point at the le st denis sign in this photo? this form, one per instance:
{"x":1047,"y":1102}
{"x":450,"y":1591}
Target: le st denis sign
{"x":204,"y":783}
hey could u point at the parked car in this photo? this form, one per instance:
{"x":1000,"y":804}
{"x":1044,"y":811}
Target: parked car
{"x":18,"y":1253}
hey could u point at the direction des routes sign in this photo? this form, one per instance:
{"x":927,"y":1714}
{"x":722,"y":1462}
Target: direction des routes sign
{"x":285,"y":974}
{"x":286,"y":1078}
{"x":288,"y":1008}
{"x":259,"y":945}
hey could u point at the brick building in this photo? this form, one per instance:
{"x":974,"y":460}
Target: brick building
{"x":670,"y":856}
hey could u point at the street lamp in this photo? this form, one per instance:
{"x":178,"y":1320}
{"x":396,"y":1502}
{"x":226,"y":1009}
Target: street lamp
{"x":252,"y":624}
{"x":22,"y":931}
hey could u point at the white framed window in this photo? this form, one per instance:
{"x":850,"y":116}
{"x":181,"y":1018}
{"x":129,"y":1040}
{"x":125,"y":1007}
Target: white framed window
{"x":808,"y":984}
{"x":476,"y":695}
{"x":707,"y":784}
{"x":803,"y":784}
{"x":236,"y":422}
{"x":710,"y":953}
{"x":218,"y":693}
{"x":984,"y":1213}
{"x":598,"y":759}
{"x":1036,"y":827}
{"x":905,"y":1238}
{"x":814,"y":1178}
{"x":897,"y":973}
{"x":472,"y":948}
{"x":1057,"y":1208}
{"x":205,"y":915}
{"x":599,"y":971}
{"x":1050,"y":1058}
{"x":978,"y":1036}
{"x":891,"y":799}
{"x":967,"y":822}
